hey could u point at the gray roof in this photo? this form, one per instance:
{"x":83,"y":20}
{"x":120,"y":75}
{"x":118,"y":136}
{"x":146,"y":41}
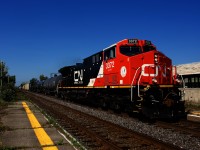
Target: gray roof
{"x":191,"y":68}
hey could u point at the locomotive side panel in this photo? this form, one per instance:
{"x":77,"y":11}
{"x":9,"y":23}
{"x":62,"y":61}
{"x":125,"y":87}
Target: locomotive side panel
{"x":110,"y":64}
{"x":93,"y":70}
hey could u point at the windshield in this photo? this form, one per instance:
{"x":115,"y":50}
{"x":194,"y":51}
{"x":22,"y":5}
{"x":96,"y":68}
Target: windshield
{"x":130,"y":50}
{"x":147,"y":48}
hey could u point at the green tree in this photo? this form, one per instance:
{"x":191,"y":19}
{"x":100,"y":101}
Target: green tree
{"x":42,"y":77}
{"x":5,"y":78}
{"x":33,"y":84}
{"x":7,"y":84}
{"x":3,"y":73}
{"x":8,"y":92}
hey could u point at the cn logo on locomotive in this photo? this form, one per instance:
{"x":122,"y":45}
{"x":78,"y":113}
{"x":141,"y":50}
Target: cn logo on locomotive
{"x":78,"y":77}
{"x":157,"y":68}
{"x":123,"y":71}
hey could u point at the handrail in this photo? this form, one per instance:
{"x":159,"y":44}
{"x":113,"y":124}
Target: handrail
{"x":174,"y":73}
{"x":138,"y":85}
{"x":183,"y":91}
{"x":183,"y":81}
{"x":133,"y":82}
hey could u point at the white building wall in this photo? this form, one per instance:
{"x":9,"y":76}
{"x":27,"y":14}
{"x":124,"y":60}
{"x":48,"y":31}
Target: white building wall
{"x":191,"y":68}
{"x":192,"y":95}
{"x":26,"y":86}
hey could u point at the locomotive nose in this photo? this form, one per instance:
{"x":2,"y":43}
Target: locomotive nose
{"x":164,"y":71}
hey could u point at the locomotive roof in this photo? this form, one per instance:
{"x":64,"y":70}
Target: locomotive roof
{"x":113,"y":45}
{"x":109,"y":47}
{"x":92,"y":55}
{"x":190,"y":68}
{"x":106,"y":48}
{"x":65,"y":70}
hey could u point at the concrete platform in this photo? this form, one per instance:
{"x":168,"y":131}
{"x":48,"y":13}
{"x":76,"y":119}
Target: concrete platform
{"x":194,"y":116}
{"x":18,"y":132}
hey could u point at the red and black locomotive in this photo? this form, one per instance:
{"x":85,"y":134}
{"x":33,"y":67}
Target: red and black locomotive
{"x":130,"y":75}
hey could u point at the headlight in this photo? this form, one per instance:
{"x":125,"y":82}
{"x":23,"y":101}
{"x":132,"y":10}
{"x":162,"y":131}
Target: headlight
{"x":156,"y":58}
{"x":154,"y":80}
{"x":178,"y":81}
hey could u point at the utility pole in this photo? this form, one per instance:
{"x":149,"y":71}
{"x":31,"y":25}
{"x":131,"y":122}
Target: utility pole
{"x":1,"y":72}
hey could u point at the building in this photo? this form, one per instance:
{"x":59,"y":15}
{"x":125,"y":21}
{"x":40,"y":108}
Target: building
{"x":190,"y":74}
{"x":26,"y":86}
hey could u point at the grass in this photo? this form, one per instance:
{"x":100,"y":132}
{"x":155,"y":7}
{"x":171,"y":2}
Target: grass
{"x":60,"y":142}
{"x":2,"y":102}
{"x":21,"y":96}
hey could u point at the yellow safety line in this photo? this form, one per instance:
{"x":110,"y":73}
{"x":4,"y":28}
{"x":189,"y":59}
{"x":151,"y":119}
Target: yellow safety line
{"x":42,"y":136}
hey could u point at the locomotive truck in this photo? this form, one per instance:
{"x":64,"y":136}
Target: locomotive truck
{"x":130,"y":75}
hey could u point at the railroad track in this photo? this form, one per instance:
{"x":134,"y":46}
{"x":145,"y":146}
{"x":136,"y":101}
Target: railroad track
{"x":95,"y":133}
{"x":183,"y":126}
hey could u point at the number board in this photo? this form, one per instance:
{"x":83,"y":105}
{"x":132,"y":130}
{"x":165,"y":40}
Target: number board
{"x":133,"y":41}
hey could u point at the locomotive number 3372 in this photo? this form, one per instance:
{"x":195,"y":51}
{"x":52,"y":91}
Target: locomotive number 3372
{"x":110,"y":65}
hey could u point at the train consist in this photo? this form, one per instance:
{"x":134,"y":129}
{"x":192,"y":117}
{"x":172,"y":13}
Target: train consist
{"x":130,"y":75}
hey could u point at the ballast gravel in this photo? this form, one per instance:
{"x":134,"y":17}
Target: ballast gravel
{"x":184,"y":141}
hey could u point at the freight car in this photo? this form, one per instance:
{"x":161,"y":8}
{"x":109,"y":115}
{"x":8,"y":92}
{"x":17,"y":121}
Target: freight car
{"x":50,"y":85}
{"x":130,"y":75}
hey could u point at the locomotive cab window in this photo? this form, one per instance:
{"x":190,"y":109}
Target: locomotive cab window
{"x":109,"y":53}
{"x":147,"y":48}
{"x":93,"y":59}
{"x":130,"y":50}
{"x":96,"y":58}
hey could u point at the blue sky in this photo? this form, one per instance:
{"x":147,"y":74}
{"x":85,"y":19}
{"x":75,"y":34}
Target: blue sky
{"x":40,"y":36}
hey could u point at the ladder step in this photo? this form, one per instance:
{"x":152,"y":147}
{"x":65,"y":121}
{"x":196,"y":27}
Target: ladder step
{"x":142,"y":90}
{"x":139,"y":100}
{"x":135,"y":111}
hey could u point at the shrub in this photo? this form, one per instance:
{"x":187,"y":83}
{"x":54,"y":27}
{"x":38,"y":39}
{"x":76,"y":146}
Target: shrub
{"x":8,"y":93}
